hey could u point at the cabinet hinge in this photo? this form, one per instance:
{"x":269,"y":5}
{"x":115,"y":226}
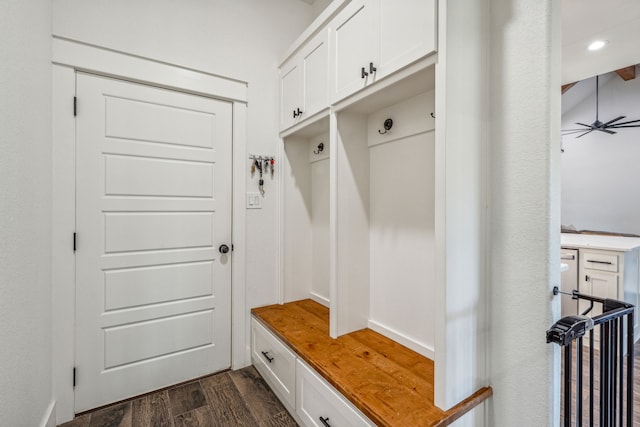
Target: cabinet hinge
{"x":74,"y":242}
{"x":75,"y":106}
{"x":74,"y":376}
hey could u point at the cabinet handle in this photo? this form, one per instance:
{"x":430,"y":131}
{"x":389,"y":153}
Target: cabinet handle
{"x":600,"y":262}
{"x":363,"y":73}
{"x":295,"y":114}
{"x":325,"y":422}
{"x":299,"y":112}
{"x":569,"y":257}
{"x":372,"y":69}
{"x":266,"y":356}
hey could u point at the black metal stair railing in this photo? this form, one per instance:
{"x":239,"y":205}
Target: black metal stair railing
{"x":606,"y":398}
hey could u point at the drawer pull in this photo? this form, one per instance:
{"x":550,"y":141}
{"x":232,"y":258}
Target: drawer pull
{"x":266,"y":356}
{"x":325,"y":422}
{"x":600,"y":262}
{"x":569,"y":257}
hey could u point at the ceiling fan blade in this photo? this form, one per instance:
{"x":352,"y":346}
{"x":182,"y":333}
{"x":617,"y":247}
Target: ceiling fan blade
{"x":614,"y":120}
{"x":623,"y":126}
{"x":587,"y":126}
{"x":625,"y":123}
{"x":572,"y":131}
{"x":606,"y":130}
{"x":589,"y":131}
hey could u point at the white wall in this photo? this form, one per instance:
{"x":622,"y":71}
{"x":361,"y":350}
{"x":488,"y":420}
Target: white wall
{"x":600,"y":172}
{"x":241,"y":39}
{"x":524,"y":210}
{"x":25,"y":213}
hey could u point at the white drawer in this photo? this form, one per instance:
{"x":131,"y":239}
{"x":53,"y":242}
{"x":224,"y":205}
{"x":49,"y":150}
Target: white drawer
{"x":316,"y":399}
{"x":600,"y":261}
{"x":274,"y":361}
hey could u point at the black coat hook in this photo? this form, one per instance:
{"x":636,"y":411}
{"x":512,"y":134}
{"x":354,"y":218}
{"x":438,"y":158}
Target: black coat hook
{"x":388,"y":124}
{"x":320,"y":148}
{"x":433,"y":115}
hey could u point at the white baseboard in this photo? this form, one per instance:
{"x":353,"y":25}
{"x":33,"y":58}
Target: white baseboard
{"x":319,"y":299}
{"x":49,"y":417}
{"x":414,"y":345}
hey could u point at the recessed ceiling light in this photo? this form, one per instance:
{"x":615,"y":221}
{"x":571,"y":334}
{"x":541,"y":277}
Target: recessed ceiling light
{"x":598,"y":44}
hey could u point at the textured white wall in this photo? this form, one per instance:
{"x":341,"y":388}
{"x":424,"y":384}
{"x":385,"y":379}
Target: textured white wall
{"x":600,"y":171}
{"x":25,"y":212}
{"x":241,"y":39}
{"x":524,"y":182}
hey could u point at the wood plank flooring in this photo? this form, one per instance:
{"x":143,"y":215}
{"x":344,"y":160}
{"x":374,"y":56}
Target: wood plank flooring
{"x":235,"y":398}
{"x":389,"y":383}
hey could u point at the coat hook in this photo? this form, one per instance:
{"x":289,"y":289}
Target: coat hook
{"x":320,"y":148}
{"x":433,"y":115}
{"x":388,"y":124}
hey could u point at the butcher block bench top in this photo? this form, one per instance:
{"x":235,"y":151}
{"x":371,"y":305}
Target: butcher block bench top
{"x":389,"y":383}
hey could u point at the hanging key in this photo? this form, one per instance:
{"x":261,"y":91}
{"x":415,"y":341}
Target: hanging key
{"x":272,"y":162}
{"x":261,"y":186}
{"x":266,"y":165}
{"x":253,"y":168}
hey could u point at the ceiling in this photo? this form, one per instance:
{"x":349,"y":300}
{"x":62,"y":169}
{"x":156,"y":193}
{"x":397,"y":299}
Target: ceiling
{"x":583,"y":21}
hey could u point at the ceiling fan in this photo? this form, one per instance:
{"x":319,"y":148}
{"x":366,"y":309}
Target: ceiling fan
{"x":600,"y":126}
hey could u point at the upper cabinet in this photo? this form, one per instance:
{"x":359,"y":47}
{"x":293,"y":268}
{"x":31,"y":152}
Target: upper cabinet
{"x":374,"y":38}
{"x":358,"y":43}
{"x":304,"y":81}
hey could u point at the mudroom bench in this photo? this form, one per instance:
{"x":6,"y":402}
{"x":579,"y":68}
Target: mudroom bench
{"x":358,"y":379}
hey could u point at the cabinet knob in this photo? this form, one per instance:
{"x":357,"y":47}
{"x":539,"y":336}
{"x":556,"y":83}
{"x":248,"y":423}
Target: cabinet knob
{"x":363,"y":73}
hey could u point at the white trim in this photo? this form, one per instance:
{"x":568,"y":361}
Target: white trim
{"x":63,"y":226}
{"x":319,"y":298}
{"x":69,"y":57}
{"x":108,"y":62}
{"x":281,"y":208}
{"x":406,"y":341}
{"x":49,"y":417}
{"x":240,"y":352}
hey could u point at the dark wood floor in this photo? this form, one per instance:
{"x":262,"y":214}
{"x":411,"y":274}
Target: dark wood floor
{"x":234,"y":398}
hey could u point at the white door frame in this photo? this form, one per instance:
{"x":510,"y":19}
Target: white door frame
{"x":69,"y":57}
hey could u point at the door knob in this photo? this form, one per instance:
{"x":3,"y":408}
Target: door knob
{"x":223,"y":249}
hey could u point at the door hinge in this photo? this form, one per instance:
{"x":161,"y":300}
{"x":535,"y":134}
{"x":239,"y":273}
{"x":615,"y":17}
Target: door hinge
{"x":74,"y":242}
{"x":74,"y":376}
{"x":75,"y":106}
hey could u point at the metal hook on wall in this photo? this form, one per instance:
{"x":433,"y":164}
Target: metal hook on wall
{"x":433,"y":115}
{"x":388,"y":124}
{"x":320,"y":148}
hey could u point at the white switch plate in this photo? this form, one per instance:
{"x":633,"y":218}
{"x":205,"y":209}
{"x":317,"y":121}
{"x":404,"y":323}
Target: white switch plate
{"x":254,"y":201}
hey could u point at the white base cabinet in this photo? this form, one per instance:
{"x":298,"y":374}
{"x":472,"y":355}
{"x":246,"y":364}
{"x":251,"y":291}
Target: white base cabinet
{"x":309,"y":398}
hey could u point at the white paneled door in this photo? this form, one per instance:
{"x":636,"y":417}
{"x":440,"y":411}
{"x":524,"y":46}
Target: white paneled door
{"x":153,"y":207}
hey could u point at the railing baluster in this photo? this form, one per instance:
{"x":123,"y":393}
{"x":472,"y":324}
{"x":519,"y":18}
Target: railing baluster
{"x":567,"y":386}
{"x":591,"y":376}
{"x":579,"y":383}
{"x":630,"y":369}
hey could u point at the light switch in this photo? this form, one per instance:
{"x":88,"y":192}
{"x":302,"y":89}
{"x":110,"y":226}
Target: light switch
{"x":254,"y":201}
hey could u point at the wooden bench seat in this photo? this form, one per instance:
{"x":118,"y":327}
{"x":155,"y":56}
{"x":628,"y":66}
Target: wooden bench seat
{"x":389,"y":383}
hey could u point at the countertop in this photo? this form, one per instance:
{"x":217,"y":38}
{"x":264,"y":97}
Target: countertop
{"x":593,"y":241}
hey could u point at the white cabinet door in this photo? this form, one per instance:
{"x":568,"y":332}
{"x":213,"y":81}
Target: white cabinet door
{"x":356,"y":44}
{"x":598,"y":284}
{"x":314,"y":61}
{"x":407,"y":33}
{"x":290,"y":93}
